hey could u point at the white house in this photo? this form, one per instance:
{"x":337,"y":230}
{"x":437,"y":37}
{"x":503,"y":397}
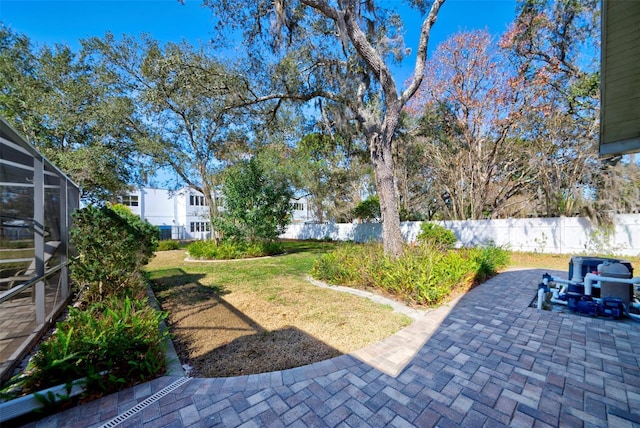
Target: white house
{"x":183,"y":214}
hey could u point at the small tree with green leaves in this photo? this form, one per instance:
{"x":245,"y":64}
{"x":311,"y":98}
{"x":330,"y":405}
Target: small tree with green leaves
{"x":257,"y":205}
{"x":369,"y":209}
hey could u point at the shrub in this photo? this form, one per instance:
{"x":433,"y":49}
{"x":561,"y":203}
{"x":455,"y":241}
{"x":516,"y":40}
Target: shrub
{"x":226,"y":250}
{"x":488,"y":260}
{"x":168,"y":245}
{"x":436,"y":235}
{"x":340,"y":266}
{"x":112,"y":245}
{"x":257,"y":204}
{"x":423,"y":275}
{"x":113,"y":343}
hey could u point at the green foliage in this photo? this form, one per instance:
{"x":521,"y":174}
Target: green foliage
{"x":168,"y":245}
{"x":369,"y":209}
{"x":436,"y":235}
{"x":70,"y":110}
{"x":114,"y":338}
{"x":112,"y":245}
{"x":227,"y":250}
{"x":52,"y":402}
{"x":423,"y":275}
{"x":341,"y":266}
{"x":186,"y":96}
{"x":488,"y":259}
{"x":256,"y":204}
{"x":111,"y":344}
{"x":325,"y":166}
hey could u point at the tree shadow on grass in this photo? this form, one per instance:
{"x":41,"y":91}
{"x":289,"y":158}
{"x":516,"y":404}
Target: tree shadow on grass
{"x":173,"y":282}
{"x":219,"y":340}
{"x":263,"y":352}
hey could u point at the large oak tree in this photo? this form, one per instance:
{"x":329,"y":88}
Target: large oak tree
{"x":68,"y":110}
{"x":339,"y":54}
{"x":186,"y":97}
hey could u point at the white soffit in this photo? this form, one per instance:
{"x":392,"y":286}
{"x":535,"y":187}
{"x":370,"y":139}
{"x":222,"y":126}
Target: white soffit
{"x":620,"y":77}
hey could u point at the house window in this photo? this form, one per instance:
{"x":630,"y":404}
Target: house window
{"x":298,"y":206}
{"x":130,"y":200}
{"x":195,"y":200}
{"x":199,"y":226}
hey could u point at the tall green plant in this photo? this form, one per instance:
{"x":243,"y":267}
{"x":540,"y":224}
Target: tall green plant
{"x":256,"y":204}
{"x":369,"y":209}
{"x":112,"y":245}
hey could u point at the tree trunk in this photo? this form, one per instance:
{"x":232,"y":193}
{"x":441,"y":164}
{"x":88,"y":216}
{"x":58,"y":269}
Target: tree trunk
{"x":211,"y":200}
{"x":381,"y":156}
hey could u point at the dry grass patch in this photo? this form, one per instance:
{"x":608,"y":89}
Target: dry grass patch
{"x":552,"y":261}
{"x":539,"y":260}
{"x":256,"y":316}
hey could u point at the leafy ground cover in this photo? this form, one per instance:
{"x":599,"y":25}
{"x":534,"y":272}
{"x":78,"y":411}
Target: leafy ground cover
{"x":427,"y":274}
{"x":109,"y":337}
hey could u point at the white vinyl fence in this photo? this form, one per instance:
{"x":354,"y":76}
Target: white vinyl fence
{"x":562,"y":235}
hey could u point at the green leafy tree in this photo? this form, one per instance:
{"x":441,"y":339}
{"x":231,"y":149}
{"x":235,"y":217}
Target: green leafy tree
{"x":66,"y":107}
{"x":338,"y":54}
{"x":257,"y":205}
{"x":187,"y":98}
{"x":368,"y":210}
{"x":332,"y":172}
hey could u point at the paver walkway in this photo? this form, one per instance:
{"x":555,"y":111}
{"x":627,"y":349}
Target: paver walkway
{"x":488,"y":360}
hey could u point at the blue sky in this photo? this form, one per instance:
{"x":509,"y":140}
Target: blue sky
{"x":67,"y":21}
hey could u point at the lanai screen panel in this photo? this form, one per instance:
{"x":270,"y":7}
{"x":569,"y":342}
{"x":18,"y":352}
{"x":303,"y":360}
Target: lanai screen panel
{"x":16,"y":206}
{"x":36,"y":205}
{"x":620,"y":87}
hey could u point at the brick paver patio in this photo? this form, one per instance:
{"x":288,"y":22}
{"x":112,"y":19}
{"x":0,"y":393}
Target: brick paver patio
{"x":486,"y":360}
